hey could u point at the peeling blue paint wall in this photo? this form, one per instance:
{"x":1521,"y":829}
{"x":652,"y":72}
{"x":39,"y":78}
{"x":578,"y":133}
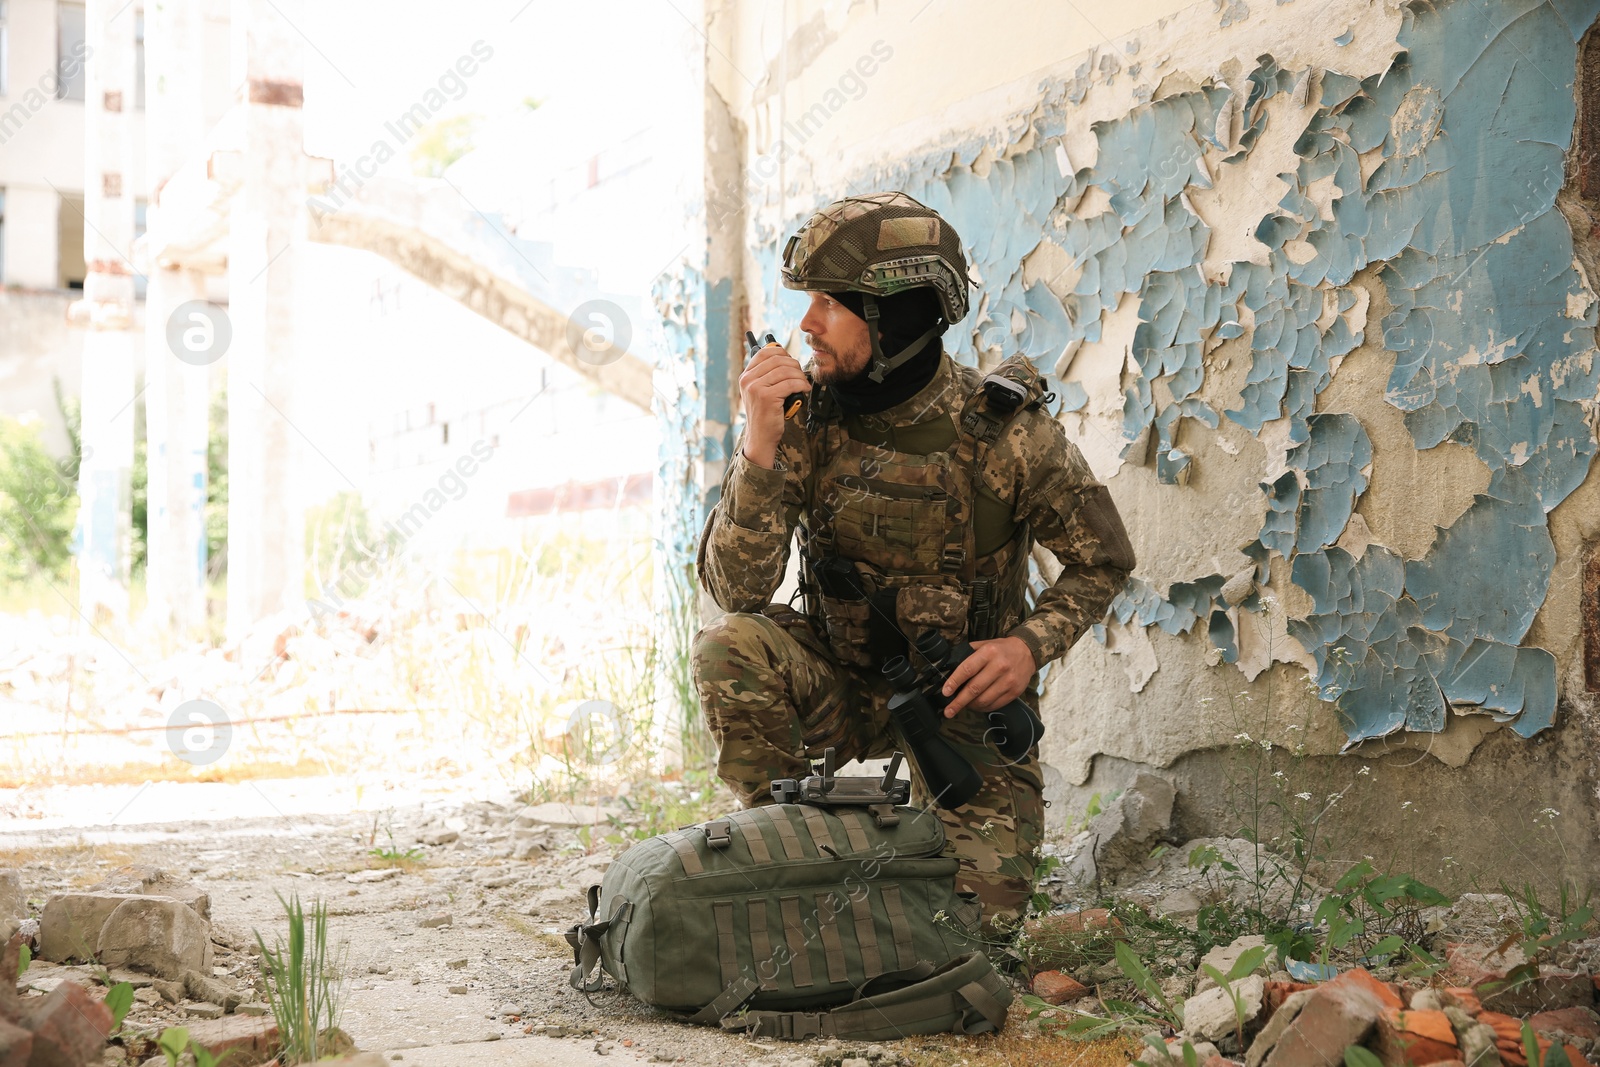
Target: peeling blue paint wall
{"x":1492,"y":331}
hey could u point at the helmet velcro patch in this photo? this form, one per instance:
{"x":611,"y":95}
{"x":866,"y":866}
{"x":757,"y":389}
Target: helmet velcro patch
{"x":907,"y":233}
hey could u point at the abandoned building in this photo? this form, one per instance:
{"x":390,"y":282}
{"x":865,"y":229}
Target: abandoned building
{"x":1314,"y":284}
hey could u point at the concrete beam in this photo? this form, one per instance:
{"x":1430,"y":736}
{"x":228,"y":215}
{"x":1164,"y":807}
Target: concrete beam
{"x":500,"y":300}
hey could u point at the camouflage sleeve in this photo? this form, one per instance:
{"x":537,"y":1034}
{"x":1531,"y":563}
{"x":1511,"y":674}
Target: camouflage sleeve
{"x":744,"y":547}
{"x":1072,"y":515}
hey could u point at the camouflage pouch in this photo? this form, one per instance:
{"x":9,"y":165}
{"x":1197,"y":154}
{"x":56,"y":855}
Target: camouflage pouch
{"x":933,"y":603}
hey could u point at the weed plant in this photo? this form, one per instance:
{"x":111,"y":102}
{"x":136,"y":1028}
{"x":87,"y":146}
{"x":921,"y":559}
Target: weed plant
{"x":305,"y":983}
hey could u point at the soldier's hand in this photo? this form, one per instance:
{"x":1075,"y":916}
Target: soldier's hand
{"x":994,"y":675}
{"x":771,"y":375}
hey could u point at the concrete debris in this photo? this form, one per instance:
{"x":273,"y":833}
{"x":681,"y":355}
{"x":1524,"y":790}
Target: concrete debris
{"x":144,"y":880}
{"x":202,"y":988}
{"x":377,"y":874}
{"x":436,"y":920}
{"x":1119,"y":840}
{"x":1223,"y":957}
{"x":440,"y":837}
{"x":1211,"y":1014}
{"x":70,"y":925}
{"x":156,"y":934}
{"x":13,"y":901}
{"x":159,"y":934}
{"x":559,"y":814}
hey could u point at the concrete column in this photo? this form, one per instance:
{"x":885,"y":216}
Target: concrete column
{"x":177,"y":400}
{"x":177,"y":381}
{"x":697,"y":375}
{"x":104,"y":493}
{"x":266,"y":527}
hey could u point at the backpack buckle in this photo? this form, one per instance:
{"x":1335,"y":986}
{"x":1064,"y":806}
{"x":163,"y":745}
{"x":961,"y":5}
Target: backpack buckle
{"x":718,"y":833}
{"x":884,"y":815}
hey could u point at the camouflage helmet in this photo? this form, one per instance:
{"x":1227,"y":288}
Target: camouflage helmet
{"x":879,"y":244}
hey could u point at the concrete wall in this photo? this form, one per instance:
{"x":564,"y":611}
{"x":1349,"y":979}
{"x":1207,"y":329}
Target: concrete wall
{"x":1302,"y":276}
{"x":41,"y":145}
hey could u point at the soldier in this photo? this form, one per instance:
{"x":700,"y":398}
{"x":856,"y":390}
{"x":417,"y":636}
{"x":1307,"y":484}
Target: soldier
{"x":918,"y":488}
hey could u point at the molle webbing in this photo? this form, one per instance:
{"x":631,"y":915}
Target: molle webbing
{"x":780,"y":822}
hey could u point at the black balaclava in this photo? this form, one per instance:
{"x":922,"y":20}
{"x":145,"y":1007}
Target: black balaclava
{"x":903,"y":318}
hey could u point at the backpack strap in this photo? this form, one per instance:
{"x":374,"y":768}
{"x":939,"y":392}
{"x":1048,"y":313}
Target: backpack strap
{"x":1014,"y":386}
{"x":584,"y":938}
{"x":965,"y":996}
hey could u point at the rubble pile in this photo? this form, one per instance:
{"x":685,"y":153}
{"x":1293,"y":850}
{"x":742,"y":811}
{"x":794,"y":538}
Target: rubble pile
{"x":1471,"y":1012}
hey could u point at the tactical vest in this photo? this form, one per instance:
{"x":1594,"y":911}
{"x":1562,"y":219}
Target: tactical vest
{"x":896,"y":542}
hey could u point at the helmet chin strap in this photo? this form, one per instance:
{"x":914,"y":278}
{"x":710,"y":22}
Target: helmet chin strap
{"x":881,"y":365}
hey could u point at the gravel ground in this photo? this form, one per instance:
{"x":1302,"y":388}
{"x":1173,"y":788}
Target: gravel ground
{"x":459,"y":944}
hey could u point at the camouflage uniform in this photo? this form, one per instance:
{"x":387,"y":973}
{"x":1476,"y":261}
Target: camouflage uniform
{"x":778,"y":686}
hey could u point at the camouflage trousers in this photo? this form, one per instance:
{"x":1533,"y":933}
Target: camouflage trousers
{"x":774,"y":697}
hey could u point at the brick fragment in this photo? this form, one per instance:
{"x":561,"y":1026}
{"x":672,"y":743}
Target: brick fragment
{"x":16,"y":1045}
{"x":1415,"y":1038}
{"x":1335,"y":1015}
{"x":1580,"y":1023}
{"x":1053,"y":987}
{"x":253,"y":1039}
{"x":69,"y":1027}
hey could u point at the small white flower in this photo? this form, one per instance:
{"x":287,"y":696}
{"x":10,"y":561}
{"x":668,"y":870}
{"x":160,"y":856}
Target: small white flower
{"x":1549,"y":813}
{"x":1267,"y":745}
{"x":1406,"y":805}
{"x":1364,"y":770}
{"x":1279,"y":774}
{"x":1241,"y":736}
{"x":1292,"y":726}
{"x":1303,"y":796}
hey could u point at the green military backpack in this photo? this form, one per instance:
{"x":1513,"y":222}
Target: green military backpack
{"x":830,"y":913}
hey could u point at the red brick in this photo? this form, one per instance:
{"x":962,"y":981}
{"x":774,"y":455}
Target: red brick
{"x":1461,"y":997}
{"x":16,"y":1045}
{"x":1469,"y":964}
{"x":1072,"y":922}
{"x":1568,"y":1022}
{"x":1053,"y":987}
{"x":1387,"y":993}
{"x":10,"y":961}
{"x":1552,"y":990}
{"x":1278,"y":992}
{"x":1335,"y":1015}
{"x":1508,"y":1041}
{"x":254,"y":1038}
{"x":1415,"y":1038}
{"x":69,"y":1027}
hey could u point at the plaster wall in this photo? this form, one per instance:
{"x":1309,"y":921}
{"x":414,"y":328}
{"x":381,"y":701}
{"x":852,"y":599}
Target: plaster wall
{"x":1299,"y":276}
